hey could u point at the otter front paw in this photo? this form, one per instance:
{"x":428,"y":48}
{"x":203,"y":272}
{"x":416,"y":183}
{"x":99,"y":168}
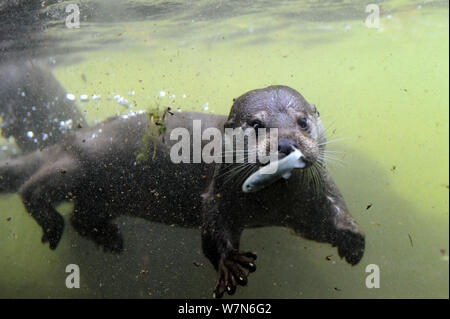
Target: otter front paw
{"x":234,"y":268}
{"x":351,"y":245}
{"x":53,"y":231}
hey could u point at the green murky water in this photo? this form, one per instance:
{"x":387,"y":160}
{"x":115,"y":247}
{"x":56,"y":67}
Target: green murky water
{"x":383,"y":91}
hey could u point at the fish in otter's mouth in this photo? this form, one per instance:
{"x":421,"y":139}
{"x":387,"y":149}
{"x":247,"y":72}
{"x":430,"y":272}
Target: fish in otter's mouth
{"x":273,"y":171}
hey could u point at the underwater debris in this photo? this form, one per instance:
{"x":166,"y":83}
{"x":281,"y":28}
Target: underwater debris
{"x":143,"y":271}
{"x":197,"y":264}
{"x":410,"y":240}
{"x":337,"y":289}
{"x":8,"y":219}
{"x":328,"y":257}
{"x":156,"y":127}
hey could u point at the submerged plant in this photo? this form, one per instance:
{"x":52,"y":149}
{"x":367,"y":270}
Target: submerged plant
{"x":155,"y":128}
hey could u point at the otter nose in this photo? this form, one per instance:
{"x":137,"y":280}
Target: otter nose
{"x":286,"y":146}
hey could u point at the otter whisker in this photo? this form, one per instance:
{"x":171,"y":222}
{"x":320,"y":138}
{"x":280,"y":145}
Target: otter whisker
{"x":242,"y":168}
{"x":333,"y":160}
{"x":333,"y":141}
{"x":230,"y":169}
{"x":247,"y":172}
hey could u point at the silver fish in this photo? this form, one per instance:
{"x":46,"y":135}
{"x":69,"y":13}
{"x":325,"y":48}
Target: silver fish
{"x":273,"y":171}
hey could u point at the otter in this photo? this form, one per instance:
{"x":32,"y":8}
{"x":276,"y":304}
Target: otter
{"x":97,"y":169}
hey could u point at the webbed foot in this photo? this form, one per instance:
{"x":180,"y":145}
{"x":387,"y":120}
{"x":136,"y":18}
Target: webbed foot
{"x":233,"y":270}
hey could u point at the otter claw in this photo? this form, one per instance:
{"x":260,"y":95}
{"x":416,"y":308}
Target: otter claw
{"x":234,"y":269}
{"x":351,"y":246}
{"x":53,"y":233}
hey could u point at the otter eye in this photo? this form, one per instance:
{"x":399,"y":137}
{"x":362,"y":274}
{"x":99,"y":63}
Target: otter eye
{"x":303,"y":122}
{"x":256,"y":124}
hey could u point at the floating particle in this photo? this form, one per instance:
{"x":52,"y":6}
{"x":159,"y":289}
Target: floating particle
{"x":95,"y":97}
{"x":205,"y":106}
{"x":22,"y":93}
{"x":337,"y":289}
{"x":33,"y":108}
{"x":328,"y":257}
{"x":410,"y":240}
{"x":442,"y":250}
{"x":8,"y":219}
{"x":30,"y":134}
{"x":65,"y":125}
{"x":368,"y":206}
{"x":84,"y":98}
{"x":183,"y":96}
{"x":162,"y":93}
{"x":131,"y":93}
{"x":123,"y":101}
{"x":375,"y":223}
{"x":178,"y":110}
{"x":70,"y":97}
{"x":44,"y":136}
{"x":197,"y":264}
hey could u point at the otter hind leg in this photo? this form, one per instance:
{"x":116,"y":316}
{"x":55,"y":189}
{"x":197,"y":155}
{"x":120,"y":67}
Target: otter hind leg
{"x":90,"y":223}
{"x":45,"y":189}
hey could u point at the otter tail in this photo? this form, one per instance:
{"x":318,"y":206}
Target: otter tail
{"x":15,"y":172}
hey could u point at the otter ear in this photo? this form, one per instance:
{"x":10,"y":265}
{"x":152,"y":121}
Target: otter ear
{"x":315,"y":109}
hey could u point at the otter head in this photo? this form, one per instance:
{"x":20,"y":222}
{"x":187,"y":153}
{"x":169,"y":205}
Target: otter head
{"x":281,"y":107}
